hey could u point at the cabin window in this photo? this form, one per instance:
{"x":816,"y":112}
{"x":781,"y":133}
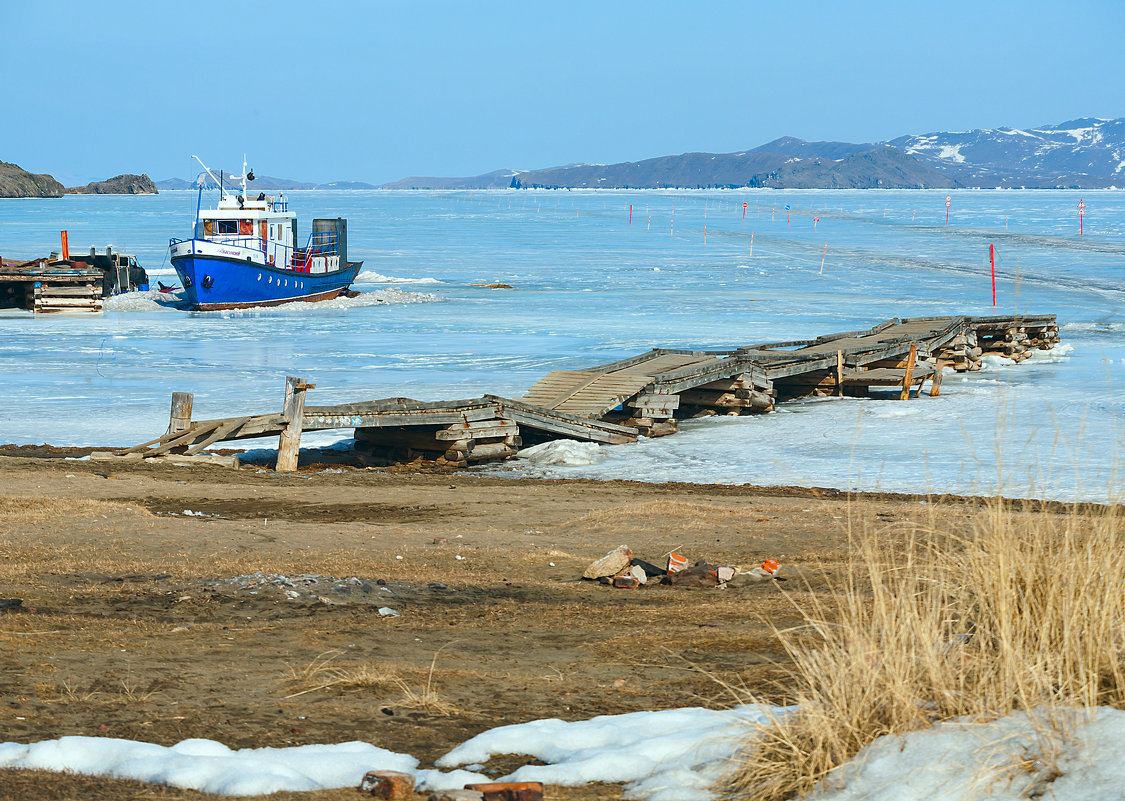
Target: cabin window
{"x":245,"y":228}
{"x":227,"y":226}
{"x":208,"y":227}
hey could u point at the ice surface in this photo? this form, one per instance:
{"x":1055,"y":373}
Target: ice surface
{"x":591,"y":289}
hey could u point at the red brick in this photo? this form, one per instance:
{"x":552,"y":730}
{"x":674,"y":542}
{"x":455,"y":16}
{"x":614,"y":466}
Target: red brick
{"x":388,"y":784}
{"x":509,"y":791}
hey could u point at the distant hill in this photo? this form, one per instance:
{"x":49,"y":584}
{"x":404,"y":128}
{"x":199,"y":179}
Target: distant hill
{"x":824,"y":165}
{"x":261,"y":183}
{"x":18,"y":182}
{"x":497,"y":179}
{"x":1086,"y":153}
{"x":127,"y":184}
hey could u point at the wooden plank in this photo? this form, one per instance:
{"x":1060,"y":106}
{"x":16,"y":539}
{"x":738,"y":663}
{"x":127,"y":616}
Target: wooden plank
{"x":483,"y":432}
{"x":218,"y":435}
{"x":187,"y":438}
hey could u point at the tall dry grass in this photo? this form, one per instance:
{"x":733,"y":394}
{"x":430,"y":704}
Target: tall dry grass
{"x":1023,"y":610}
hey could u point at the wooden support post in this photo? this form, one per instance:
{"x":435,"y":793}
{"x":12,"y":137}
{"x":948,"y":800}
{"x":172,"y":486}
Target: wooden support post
{"x":839,"y":372}
{"x":935,"y":382}
{"x":908,"y":377}
{"x":289,"y":443}
{"x":180,"y":417}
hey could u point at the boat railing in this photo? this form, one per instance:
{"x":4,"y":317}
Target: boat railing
{"x":320,"y":245}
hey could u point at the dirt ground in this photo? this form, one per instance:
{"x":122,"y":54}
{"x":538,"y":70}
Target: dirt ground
{"x":144,"y":615}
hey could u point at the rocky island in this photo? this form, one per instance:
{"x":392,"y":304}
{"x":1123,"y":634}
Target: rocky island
{"x":18,"y":182}
{"x":127,"y":184}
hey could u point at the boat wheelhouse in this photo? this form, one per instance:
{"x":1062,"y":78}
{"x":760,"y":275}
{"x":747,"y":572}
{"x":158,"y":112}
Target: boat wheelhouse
{"x":244,"y":253}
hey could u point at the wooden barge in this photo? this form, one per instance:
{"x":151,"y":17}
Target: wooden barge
{"x":65,"y":283}
{"x":617,"y":403}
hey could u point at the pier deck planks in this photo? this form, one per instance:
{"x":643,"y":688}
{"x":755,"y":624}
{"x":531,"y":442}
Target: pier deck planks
{"x":575,"y":403}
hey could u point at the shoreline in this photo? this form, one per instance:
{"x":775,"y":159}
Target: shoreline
{"x":148,"y":611}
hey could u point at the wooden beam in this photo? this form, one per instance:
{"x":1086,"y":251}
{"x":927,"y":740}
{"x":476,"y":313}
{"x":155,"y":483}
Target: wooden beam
{"x":909,"y":376}
{"x":289,"y":443}
{"x":179,"y":419}
{"x":218,"y":435}
{"x":840,"y":372}
{"x":935,"y":381}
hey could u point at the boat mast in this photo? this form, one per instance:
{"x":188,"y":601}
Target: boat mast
{"x":208,"y":171}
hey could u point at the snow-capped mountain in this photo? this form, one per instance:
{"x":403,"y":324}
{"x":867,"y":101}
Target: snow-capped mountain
{"x":1083,"y":153}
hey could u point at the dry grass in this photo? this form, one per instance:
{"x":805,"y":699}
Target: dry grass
{"x":21,"y":509}
{"x":1019,"y":611}
{"x":324,"y":673}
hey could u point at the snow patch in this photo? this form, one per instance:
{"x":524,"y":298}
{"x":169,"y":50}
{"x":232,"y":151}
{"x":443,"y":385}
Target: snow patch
{"x":1004,"y":760}
{"x":951,"y":153}
{"x":563,"y":452}
{"x":372,"y":277}
{"x":671,"y":755}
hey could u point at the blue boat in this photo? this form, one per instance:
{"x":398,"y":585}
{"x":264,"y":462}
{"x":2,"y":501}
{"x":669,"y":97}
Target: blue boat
{"x":244,"y":253}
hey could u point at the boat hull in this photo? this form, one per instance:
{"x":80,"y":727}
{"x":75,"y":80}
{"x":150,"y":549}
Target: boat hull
{"x":213,"y":283}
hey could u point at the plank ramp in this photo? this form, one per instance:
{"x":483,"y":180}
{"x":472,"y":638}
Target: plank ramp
{"x":593,"y":392}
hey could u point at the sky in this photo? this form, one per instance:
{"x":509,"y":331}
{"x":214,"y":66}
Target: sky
{"x":376,"y":91}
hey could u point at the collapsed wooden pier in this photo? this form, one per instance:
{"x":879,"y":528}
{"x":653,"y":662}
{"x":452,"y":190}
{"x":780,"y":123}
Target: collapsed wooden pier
{"x":617,"y":403}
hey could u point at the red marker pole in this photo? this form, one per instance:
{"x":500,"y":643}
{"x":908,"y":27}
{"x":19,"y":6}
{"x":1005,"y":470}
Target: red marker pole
{"x":630,"y":214}
{"x":1081,"y":215}
{"x":948,"y":203}
{"x":992,"y":260}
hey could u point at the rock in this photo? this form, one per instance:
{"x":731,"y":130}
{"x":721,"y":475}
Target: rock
{"x":651,"y":570}
{"x":10,"y":604}
{"x":749,"y":577}
{"x":700,"y":575}
{"x":639,"y":573}
{"x":725,"y":573}
{"x":612,"y":564}
{"x":386,"y":611}
{"x":389,"y":784}
{"x":458,"y":795}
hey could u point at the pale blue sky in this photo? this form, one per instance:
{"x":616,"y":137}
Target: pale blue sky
{"x":375,"y":91}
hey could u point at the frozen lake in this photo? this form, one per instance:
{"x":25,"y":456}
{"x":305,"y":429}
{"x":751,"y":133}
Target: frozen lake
{"x":693,"y":270}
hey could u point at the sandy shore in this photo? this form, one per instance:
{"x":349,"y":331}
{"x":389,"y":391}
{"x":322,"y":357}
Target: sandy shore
{"x":134,"y":622}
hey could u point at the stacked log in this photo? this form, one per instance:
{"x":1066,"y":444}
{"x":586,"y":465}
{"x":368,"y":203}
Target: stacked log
{"x":1043,"y":337}
{"x":728,"y":396}
{"x":458,"y":445}
{"x":653,"y":415}
{"x":1007,"y":340}
{"x":963,"y":353}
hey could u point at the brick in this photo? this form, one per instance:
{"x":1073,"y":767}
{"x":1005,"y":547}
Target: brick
{"x":626,"y":582}
{"x":388,"y":784}
{"x":509,"y":791}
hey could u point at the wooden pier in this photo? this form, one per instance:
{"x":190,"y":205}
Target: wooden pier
{"x":618,"y":402}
